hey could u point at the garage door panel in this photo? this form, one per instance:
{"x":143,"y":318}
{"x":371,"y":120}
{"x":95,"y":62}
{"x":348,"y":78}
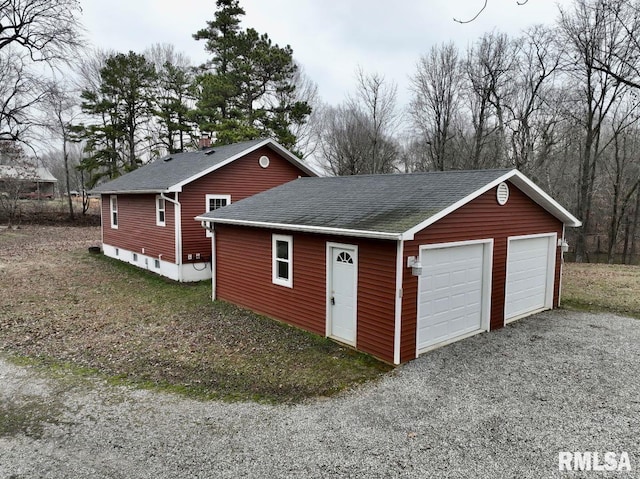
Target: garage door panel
{"x":529,"y":277}
{"x":450,"y":293}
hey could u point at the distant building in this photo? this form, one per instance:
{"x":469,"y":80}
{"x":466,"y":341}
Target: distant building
{"x":27,"y":182}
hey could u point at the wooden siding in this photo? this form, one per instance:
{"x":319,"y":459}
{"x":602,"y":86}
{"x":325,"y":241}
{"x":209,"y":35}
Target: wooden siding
{"x":480,"y":219}
{"x":244,"y":277}
{"x":137,"y":227}
{"x":240,"y":179}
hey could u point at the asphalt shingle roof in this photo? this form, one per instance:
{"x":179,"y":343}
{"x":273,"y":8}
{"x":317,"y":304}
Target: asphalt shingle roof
{"x":376,"y":203}
{"x":162,"y":173}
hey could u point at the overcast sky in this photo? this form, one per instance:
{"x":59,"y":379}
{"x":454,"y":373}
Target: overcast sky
{"x":330,"y":38}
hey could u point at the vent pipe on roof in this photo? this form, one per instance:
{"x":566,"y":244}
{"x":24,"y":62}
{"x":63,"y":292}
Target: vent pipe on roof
{"x":204,"y":142}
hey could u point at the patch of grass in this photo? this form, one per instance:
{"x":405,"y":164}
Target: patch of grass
{"x":101,"y":316}
{"x":602,"y":287}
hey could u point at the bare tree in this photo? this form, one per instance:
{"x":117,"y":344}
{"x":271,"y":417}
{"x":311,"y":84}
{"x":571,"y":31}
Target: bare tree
{"x":591,"y":39}
{"x":489,"y":69}
{"x":358,"y":136}
{"x":531,"y":103}
{"x":436,"y":88}
{"x":32,"y":31}
{"x":62,"y":111}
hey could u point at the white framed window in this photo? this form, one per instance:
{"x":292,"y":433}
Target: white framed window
{"x":282,"y":260}
{"x":113,"y":207}
{"x":213,"y":202}
{"x":160,"y":211}
{"x":135,"y":257}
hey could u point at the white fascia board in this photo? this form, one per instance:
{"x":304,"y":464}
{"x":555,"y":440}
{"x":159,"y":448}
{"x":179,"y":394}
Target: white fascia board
{"x":272,"y":144}
{"x":519,"y":180}
{"x":544,"y":200}
{"x":129,"y":192}
{"x":306,"y":229}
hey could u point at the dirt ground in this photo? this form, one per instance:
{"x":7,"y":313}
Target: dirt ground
{"x":62,"y":305}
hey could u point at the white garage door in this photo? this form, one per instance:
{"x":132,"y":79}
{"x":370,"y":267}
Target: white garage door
{"x":452,"y":293}
{"x":530,"y":274}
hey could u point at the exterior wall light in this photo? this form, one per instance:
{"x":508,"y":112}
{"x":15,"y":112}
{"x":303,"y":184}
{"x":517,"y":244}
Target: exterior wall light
{"x":415,"y":265}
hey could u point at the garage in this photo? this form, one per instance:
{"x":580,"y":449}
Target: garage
{"x":530,"y":275}
{"x":453,"y":292}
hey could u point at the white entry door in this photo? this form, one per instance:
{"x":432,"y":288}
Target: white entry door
{"x":453,"y":293}
{"x":342,"y":292}
{"x":530,"y":275}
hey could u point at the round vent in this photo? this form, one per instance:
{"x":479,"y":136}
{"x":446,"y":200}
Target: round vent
{"x":264,"y":161}
{"x":502,"y":194}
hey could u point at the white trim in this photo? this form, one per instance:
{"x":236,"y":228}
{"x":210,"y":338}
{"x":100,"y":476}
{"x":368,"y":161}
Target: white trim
{"x":288,"y":282}
{"x":551,"y":273}
{"x":214,"y":268}
{"x":561,"y":269}
{"x":306,"y":229}
{"x":270,"y":143}
{"x":329,"y":270}
{"x":177,"y":212}
{"x":190,"y":272}
{"x":163,"y":210}
{"x":487,"y":275}
{"x":398,"y":311}
{"x":207,"y":207}
{"x":519,"y":180}
{"x":112,"y":210}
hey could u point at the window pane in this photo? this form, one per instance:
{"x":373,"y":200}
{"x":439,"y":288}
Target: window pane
{"x":160,"y":203}
{"x":215,"y":203}
{"x":161,"y":216}
{"x":283,"y":270}
{"x":282,"y":250}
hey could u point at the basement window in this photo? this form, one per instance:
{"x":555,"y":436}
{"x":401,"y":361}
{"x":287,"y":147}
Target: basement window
{"x":160,"y":211}
{"x":213,"y":202}
{"x":282,"y":259}
{"x":113,"y":202}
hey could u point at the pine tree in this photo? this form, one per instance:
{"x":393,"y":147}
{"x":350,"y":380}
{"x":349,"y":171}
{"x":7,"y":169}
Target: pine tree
{"x":249,"y":89}
{"x":121,"y":106}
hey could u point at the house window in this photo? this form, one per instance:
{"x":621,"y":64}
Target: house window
{"x":160,"y":211}
{"x":282,"y":254}
{"x":213,"y":202}
{"x":135,"y":257}
{"x":157,"y":263}
{"x":113,"y":200}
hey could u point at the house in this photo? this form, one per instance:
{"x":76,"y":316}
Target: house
{"x":147,"y":214}
{"x":393,"y":265}
{"x":27,"y":182}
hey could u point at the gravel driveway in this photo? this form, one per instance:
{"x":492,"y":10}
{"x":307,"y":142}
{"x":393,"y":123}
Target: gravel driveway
{"x":496,"y":405}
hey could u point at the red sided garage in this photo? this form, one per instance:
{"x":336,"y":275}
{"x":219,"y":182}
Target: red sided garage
{"x":393,"y":265}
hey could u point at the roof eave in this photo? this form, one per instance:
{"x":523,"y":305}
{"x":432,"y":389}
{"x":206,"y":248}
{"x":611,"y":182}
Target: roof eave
{"x":306,"y":228}
{"x":177,"y":188}
{"x":128,"y":192}
{"x":522,"y":182}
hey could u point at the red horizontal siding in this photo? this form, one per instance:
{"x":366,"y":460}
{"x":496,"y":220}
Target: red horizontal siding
{"x":242,"y":178}
{"x":137,"y":227}
{"x":480,"y":219}
{"x":244,"y":277}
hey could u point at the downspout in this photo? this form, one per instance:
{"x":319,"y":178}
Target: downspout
{"x":178,"y":230}
{"x":562,"y":242}
{"x":398,"y":309}
{"x":211,"y":228}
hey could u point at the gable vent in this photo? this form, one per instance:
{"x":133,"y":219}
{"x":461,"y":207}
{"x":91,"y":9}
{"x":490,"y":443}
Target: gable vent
{"x":502,"y":194}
